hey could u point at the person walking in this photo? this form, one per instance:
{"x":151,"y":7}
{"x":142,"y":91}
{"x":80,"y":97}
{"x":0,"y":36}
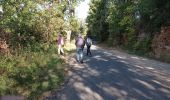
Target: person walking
{"x":60,"y":42}
{"x":88,"y":45}
{"x":79,"y":48}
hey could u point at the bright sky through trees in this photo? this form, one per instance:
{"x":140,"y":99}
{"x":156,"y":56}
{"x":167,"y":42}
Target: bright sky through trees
{"x":1,"y":8}
{"x":82,"y":9}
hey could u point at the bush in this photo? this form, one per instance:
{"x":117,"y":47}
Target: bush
{"x":143,"y":46}
{"x":31,"y":73}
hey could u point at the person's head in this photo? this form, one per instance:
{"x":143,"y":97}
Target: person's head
{"x":79,"y":35}
{"x":88,"y":36}
{"x":60,"y":34}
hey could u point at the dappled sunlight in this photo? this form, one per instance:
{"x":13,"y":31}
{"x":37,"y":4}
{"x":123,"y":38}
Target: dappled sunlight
{"x":72,"y":62}
{"x":120,"y":84}
{"x":168,"y":80}
{"x":108,"y":54}
{"x":86,"y":60}
{"x":119,"y":94}
{"x":133,"y":57}
{"x":90,"y":71}
{"x":138,"y":66}
{"x":69,"y":47}
{"x":121,"y":57}
{"x":85,"y":93}
{"x":145,"y":84}
{"x":108,"y":77}
{"x":94,"y":72}
{"x":97,"y":56}
{"x":132,"y":70}
{"x":100,"y":58}
{"x":139,"y":92}
{"x":165,"y":91}
{"x":161,"y":84}
{"x":155,"y":81}
{"x":144,"y":59}
{"x":125,"y":62}
{"x":94,"y":47}
{"x":113,"y":71}
{"x":150,"y":68}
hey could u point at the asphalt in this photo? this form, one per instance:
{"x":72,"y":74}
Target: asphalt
{"x":113,"y":75}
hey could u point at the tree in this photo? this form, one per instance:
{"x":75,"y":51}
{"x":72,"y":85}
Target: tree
{"x":31,"y":22}
{"x":96,"y":19}
{"x":121,"y":22}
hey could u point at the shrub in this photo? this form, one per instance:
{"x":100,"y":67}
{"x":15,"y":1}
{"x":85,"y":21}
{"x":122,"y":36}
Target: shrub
{"x":31,"y":73}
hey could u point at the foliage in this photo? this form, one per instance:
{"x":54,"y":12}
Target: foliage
{"x":96,"y":19}
{"x":121,"y":22}
{"x":29,"y":23}
{"x":36,"y":21}
{"x":75,"y":25}
{"x":33,"y":67}
{"x":31,"y":73}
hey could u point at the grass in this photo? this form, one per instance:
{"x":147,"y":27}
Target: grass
{"x":70,"y":47}
{"x":30,"y":74}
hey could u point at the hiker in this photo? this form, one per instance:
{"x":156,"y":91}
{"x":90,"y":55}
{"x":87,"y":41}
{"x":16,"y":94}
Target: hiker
{"x":60,"y":42}
{"x":88,"y":45}
{"x":79,"y":48}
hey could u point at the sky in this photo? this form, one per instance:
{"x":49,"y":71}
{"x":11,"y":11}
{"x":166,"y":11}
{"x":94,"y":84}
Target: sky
{"x":82,"y":9}
{"x":1,"y":8}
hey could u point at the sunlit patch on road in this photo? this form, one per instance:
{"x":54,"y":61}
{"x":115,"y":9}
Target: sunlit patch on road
{"x":141,"y":93}
{"x":121,"y":57}
{"x":139,"y":66}
{"x":116,"y":77}
{"x":100,"y":58}
{"x":117,"y":93}
{"x":150,"y":68}
{"x":125,"y":62}
{"x":113,"y":71}
{"x":86,"y":93}
{"x":145,"y":84}
{"x":133,"y":57}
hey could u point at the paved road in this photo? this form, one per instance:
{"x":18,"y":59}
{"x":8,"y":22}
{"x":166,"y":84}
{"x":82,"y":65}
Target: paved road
{"x":113,"y":75}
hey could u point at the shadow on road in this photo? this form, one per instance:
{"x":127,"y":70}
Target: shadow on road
{"x":105,"y":76}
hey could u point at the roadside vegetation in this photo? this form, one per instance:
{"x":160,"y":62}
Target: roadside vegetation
{"x":29,"y":63}
{"x":140,"y":26}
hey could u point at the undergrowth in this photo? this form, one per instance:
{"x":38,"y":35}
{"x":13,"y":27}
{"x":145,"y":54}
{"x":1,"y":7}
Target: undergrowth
{"x":30,"y":73}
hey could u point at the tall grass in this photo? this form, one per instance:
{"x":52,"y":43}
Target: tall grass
{"x":31,"y":72}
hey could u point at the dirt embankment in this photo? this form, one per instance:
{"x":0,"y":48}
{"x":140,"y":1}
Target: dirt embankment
{"x":4,"y":41}
{"x":161,"y":44}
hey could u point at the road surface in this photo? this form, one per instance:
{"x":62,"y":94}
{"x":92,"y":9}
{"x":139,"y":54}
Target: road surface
{"x":114,"y":75}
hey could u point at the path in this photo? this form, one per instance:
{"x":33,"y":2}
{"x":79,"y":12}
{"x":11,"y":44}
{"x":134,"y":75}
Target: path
{"x":113,"y":75}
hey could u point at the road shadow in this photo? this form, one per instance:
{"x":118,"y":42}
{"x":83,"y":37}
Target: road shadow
{"x":105,"y":76}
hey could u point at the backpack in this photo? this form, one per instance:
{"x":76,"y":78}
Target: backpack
{"x":88,"y":42}
{"x":80,"y":42}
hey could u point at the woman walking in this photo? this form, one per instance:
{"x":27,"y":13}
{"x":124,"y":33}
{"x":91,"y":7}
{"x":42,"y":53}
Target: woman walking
{"x":60,"y":42}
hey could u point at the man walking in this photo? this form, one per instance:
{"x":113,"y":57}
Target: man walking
{"x":88,"y":44}
{"x":79,"y":48}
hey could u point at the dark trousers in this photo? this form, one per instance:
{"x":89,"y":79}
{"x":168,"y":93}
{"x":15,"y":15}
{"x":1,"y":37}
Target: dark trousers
{"x":88,"y":50}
